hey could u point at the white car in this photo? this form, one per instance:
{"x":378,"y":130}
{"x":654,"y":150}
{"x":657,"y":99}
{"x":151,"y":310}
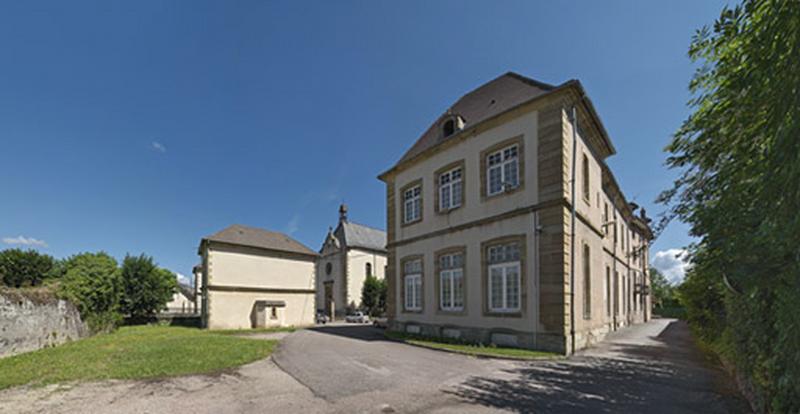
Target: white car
{"x":357,"y":317}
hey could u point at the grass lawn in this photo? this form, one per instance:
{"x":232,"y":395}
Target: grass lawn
{"x":472,"y":349}
{"x":133,"y":352}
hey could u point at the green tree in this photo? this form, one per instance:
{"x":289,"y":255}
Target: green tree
{"x":661,"y":288}
{"x":739,"y":156}
{"x":373,"y":295}
{"x":146,"y":288}
{"x":91,"y":281}
{"x":22,"y":268}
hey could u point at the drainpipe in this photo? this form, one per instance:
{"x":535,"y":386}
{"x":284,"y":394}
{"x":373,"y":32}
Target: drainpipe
{"x":572,"y":233}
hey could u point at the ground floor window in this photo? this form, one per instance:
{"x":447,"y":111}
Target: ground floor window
{"x":413,"y":285}
{"x":504,"y":287}
{"x":451,"y":282}
{"x":504,"y":277}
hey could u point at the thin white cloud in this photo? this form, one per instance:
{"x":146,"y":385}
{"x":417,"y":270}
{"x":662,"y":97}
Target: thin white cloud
{"x":157,"y":146}
{"x":183,"y":279}
{"x":293,"y":225}
{"x":25,"y":241}
{"x":672,"y":264}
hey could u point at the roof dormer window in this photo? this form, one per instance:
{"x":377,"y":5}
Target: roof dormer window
{"x":451,"y":125}
{"x":448,"y":128}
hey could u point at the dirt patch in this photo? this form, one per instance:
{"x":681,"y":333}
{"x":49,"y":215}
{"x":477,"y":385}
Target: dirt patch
{"x":257,"y":387}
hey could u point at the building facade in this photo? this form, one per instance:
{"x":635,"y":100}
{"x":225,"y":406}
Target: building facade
{"x":253,"y":278}
{"x":505,"y":227}
{"x":348,"y":255}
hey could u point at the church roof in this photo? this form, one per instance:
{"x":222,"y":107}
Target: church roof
{"x":358,"y":235}
{"x":255,"y":237}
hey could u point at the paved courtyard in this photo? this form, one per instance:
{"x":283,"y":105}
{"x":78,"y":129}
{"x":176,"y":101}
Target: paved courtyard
{"x":651,"y":368}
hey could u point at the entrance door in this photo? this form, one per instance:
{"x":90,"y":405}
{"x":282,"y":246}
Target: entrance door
{"x":329,"y":299}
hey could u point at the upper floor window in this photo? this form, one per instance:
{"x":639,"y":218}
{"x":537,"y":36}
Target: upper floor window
{"x":368,"y":269}
{"x":504,"y":277}
{"x":451,"y":281}
{"x":502,"y":170}
{"x":412,"y":204}
{"x":450,"y":189}
{"x":412,"y":279}
{"x":585,"y":173}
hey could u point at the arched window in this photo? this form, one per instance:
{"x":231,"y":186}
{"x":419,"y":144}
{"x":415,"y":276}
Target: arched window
{"x":369,"y":269}
{"x":448,"y":128}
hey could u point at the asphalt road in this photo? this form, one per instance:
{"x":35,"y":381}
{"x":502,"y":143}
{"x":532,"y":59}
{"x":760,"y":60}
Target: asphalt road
{"x":653,"y":368}
{"x":650,"y":368}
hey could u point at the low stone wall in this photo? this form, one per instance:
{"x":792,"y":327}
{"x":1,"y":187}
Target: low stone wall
{"x":32,"y":319}
{"x":498,"y":336}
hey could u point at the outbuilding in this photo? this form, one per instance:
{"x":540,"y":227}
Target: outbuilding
{"x":253,"y":278}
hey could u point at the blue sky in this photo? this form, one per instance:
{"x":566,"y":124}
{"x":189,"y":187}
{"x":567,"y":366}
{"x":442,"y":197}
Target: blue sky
{"x":143,"y":126}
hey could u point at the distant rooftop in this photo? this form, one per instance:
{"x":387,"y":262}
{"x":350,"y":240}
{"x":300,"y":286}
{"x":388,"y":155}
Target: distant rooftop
{"x":359,"y":235}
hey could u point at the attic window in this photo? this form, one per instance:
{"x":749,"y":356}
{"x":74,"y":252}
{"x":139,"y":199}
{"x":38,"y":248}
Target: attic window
{"x":448,"y":128}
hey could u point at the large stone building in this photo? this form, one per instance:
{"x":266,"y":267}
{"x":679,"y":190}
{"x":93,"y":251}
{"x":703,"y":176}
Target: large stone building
{"x":505,"y":224}
{"x":348,"y":255}
{"x":255,"y":278}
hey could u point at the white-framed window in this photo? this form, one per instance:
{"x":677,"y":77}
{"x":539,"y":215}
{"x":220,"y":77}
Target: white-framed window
{"x":451,"y":282}
{"x":502,"y":170}
{"x":412,"y":204}
{"x":504,"y":278}
{"x":412,"y":278}
{"x":450,"y":189}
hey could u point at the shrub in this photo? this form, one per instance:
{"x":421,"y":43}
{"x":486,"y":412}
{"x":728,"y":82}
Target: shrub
{"x":22,"y":268}
{"x":373,"y":296}
{"x":92,"y":282}
{"x":146,"y":288}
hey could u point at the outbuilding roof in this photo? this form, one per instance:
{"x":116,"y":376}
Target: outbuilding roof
{"x":254,"y":237}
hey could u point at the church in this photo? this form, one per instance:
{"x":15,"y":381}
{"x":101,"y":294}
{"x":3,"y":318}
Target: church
{"x":349,"y":254}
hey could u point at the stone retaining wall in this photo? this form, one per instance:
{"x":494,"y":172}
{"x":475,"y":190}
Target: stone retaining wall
{"x":34,"y":319}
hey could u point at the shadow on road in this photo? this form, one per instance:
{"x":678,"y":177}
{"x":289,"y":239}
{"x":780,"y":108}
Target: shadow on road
{"x":668,"y":376}
{"x":358,"y":332}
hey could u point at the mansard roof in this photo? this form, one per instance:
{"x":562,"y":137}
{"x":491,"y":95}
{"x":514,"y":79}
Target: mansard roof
{"x":492,"y":99}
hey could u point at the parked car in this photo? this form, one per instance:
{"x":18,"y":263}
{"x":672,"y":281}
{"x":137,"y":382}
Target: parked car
{"x":322,"y":318}
{"x":381,"y":322}
{"x":357,"y":317}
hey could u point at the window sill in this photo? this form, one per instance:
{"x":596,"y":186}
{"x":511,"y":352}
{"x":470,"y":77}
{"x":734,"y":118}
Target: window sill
{"x":503,"y":314}
{"x":504,"y":192}
{"x":411,"y":223}
{"x":445,"y":212}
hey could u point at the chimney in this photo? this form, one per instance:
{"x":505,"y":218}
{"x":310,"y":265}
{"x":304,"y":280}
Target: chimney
{"x":343,"y":213}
